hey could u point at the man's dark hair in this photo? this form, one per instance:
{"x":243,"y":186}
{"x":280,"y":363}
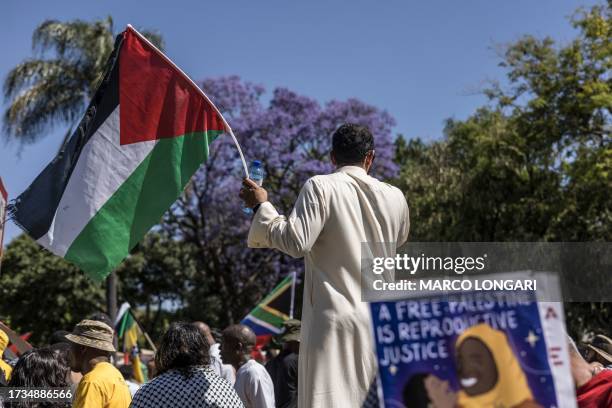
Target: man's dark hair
{"x":351,"y":143}
{"x":127,"y":371}
{"x":59,"y":336}
{"x":182,"y":347}
{"x":102,"y":317}
{"x":40,"y":368}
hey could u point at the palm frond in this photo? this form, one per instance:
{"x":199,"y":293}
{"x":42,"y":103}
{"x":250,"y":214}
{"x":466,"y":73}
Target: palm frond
{"x":44,"y":104}
{"x":44,"y":92}
{"x":35,"y":70}
{"x":100,"y":40}
{"x":64,"y":38}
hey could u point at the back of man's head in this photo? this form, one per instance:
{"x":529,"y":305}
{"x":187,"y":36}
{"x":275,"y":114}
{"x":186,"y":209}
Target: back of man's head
{"x":59,"y":336}
{"x":127,"y":371}
{"x":351,"y":143}
{"x":205,"y":330}
{"x":241,"y":334}
{"x":237,"y":344}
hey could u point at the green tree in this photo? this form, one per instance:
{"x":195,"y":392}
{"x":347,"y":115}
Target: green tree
{"x":55,"y":85}
{"x":159,"y":279}
{"x":560,"y":102}
{"x":479,"y":183}
{"x":41,"y":293}
{"x":535,"y":164}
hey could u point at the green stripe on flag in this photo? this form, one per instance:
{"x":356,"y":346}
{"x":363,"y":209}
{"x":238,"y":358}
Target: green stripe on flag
{"x":268,"y":317}
{"x":127,"y":321}
{"x":139,"y":203}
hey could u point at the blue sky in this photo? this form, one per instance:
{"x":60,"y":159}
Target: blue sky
{"x":422,"y":61}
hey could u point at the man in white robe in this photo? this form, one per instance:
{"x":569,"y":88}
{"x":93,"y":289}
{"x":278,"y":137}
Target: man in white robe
{"x":332,"y":216}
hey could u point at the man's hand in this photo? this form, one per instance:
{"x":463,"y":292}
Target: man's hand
{"x":252,"y":194}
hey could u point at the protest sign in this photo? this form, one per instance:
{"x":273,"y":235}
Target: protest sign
{"x":472,"y":349}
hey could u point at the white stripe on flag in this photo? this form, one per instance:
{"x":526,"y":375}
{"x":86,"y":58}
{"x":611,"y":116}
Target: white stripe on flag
{"x":125,"y":306}
{"x":102,"y":167}
{"x":261,"y":323}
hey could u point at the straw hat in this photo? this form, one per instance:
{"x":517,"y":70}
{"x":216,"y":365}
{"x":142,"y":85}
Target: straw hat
{"x":94,"y":334}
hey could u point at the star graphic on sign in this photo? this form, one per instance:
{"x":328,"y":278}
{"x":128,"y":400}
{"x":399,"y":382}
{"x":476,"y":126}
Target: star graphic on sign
{"x":392,"y":369}
{"x":532,"y":339}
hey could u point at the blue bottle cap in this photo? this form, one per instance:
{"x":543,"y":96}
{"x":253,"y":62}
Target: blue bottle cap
{"x":256,"y":163}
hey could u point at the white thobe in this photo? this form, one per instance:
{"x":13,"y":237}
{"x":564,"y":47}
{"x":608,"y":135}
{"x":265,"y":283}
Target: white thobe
{"x":332,"y":216}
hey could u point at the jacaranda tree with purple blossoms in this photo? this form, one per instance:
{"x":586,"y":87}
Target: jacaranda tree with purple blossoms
{"x":291,"y":134}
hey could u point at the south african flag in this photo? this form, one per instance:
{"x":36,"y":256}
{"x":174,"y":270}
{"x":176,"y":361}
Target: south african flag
{"x":267,"y":318}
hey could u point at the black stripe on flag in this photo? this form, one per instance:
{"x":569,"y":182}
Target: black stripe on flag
{"x":35,"y":208}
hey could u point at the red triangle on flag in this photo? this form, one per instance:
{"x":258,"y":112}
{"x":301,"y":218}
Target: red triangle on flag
{"x":156,"y":99}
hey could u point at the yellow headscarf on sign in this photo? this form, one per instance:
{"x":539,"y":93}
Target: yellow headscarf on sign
{"x":4,"y":341}
{"x":511,"y":388}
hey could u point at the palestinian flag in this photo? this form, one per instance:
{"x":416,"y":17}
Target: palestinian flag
{"x":128,"y":330}
{"x":145,"y":133}
{"x":267,"y":318}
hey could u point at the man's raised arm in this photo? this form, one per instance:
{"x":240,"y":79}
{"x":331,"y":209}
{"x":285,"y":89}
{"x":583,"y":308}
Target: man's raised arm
{"x":295,"y":235}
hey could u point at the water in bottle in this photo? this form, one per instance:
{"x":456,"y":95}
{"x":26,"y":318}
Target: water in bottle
{"x":256,"y":173}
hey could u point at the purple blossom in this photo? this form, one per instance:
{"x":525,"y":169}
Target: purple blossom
{"x":292,"y":136}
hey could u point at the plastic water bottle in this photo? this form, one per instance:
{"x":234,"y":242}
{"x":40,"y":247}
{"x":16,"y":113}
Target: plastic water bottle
{"x":256,"y":173}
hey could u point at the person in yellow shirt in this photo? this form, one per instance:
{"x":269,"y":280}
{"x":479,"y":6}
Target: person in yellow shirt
{"x":102,"y":385}
{"x":4,"y":366}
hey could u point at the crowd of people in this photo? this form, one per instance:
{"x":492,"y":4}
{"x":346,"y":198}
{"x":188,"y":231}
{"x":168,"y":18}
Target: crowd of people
{"x":336,"y":365}
{"x":190,"y":368}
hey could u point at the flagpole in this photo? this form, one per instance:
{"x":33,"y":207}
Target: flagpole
{"x":149,"y":341}
{"x":231,"y":133}
{"x":143,"y":331}
{"x":169,"y":61}
{"x":294,"y":273}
